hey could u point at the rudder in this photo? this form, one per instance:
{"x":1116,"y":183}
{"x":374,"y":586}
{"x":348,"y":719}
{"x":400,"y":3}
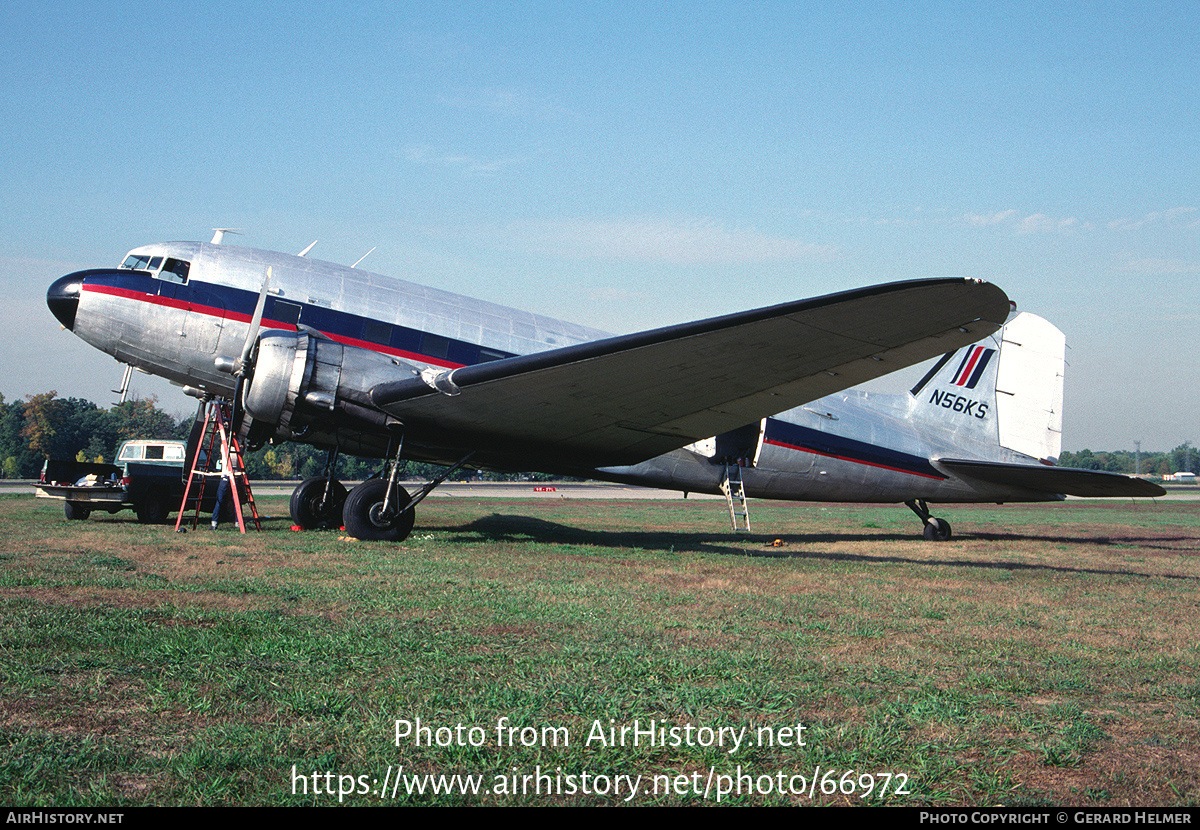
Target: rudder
{"x":1029,"y":387}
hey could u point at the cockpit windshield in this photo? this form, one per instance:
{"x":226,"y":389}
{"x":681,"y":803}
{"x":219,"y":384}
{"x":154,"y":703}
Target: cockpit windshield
{"x":137,"y":262}
{"x":164,"y":268}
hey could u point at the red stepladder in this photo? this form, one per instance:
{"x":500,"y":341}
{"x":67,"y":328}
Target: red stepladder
{"x":217,"y":454}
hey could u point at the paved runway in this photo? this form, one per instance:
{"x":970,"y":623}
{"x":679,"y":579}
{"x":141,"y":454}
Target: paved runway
{"x":533,"y":490}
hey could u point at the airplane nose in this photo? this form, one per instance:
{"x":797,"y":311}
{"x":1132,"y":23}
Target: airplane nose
{"x":63,"y":299}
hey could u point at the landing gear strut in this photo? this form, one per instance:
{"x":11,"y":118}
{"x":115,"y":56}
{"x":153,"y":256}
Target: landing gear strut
{"x":936,"y":530}
{"x":381,"y":510}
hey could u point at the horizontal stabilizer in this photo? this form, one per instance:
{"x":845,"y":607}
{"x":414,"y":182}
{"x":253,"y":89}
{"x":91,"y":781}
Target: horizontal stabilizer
{"x":1065,"y":480}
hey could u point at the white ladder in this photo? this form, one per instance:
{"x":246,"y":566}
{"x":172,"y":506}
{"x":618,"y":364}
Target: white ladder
{"x":735,"y":497}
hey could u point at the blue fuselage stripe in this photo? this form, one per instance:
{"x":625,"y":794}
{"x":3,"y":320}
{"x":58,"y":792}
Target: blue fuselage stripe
{"x":805,"y":439}
{"x":237,"y":303}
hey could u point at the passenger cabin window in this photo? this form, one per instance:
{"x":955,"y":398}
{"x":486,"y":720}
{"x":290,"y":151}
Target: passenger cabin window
{"x":377,"y":332}
{"x":433,"y":345}
{"x":286,"y":313}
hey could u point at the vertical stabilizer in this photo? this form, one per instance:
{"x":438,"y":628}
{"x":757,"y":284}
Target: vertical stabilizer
{"x":1029,"y":387}
{"x":1005,"y":391}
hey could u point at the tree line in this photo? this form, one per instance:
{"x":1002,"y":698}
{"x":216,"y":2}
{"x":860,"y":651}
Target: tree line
{"x":47,"y":426}
{"x":1181,"y":459}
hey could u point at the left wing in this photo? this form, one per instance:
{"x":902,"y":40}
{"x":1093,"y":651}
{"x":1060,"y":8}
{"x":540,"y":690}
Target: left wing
{"x":625,"y":399}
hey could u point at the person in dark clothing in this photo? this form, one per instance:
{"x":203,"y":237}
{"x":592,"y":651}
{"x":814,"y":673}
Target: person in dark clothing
{"x":222,"y":495}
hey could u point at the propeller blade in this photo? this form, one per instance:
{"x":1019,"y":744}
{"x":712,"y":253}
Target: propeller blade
{"x":255,"y":321}
{"x":239,"y":409}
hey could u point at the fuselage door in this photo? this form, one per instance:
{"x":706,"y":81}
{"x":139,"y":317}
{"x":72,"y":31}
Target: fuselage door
{"x":740,"y":446}
{"x":204,"y":322}
{"x":203,"y":310}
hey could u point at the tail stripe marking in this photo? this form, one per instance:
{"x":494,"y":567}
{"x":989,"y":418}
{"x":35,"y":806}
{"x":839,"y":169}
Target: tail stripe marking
{"x":983,"y":362}
{"x":937,"y":367}
{"x":964,"y":369}
{"x":971,"y":369}
{"x":962,"y":366}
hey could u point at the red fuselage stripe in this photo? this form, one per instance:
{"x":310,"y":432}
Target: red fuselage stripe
{"x":786,"y":446}
{"x":223,"y":314}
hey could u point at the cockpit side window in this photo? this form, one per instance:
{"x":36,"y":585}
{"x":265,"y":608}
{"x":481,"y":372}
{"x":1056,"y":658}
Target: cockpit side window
{"x":175,"y":270}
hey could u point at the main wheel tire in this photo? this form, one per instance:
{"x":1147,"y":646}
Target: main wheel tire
{"x":152,"y":509}
{"x":937,"y":530}
{"x":307,"y":507}
{"x":75,"y":511}
{"x":364,"y":518}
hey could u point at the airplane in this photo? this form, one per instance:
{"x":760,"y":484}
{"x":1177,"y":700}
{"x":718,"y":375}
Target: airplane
{"x":754,"y":404}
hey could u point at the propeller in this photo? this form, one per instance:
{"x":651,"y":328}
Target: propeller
{"x":245,"y":368}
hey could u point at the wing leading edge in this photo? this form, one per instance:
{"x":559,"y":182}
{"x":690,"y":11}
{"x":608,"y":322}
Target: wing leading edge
{"x":624,"y":399}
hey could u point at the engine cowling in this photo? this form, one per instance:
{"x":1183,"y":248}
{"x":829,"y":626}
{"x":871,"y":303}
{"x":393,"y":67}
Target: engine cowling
{"x":314,"y":389}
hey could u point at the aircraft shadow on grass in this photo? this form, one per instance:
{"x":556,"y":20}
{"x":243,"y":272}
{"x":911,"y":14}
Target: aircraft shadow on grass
{"x":509,"y":529}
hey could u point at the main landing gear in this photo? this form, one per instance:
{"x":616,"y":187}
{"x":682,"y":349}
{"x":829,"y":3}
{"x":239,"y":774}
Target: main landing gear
{"x":381,"y":510}
{"x":317,"y":502}
{"x":936,"y":530}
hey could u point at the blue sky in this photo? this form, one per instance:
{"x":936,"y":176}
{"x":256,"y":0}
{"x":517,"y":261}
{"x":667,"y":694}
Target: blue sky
{"x":630,"y":167}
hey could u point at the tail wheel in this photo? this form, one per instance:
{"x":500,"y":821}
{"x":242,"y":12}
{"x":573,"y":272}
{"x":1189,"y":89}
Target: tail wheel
{"x":934,"y":529}
{"x":364,"y":517}
{"x":309,"y":508}
{"x":937,"y":530}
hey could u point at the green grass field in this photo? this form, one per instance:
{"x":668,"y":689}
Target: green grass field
{"x":1048,"y":655}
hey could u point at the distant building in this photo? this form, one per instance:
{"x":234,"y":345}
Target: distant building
{"x":1186,"y":478}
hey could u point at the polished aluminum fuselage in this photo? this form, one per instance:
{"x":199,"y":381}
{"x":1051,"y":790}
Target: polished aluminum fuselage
{"x":177,"y":331}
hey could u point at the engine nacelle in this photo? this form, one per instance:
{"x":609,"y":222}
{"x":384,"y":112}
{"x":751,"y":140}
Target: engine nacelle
{"x":311,"y":388}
